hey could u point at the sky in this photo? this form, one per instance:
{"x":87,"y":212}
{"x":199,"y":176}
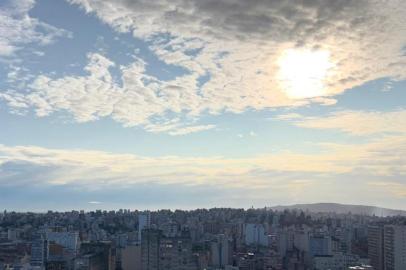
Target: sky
{"x":138,"y":104}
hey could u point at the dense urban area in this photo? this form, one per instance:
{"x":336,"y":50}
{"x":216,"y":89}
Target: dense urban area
{"x":219,"y":238}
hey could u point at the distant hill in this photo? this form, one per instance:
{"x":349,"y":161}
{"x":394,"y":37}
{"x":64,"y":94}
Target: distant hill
{"x":342,"y":209}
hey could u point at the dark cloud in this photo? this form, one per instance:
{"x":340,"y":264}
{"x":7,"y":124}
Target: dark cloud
{"x":259,"y":19}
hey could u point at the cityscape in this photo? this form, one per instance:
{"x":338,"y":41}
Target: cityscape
{"x":217,"y":238}
{"x":202,"y":134}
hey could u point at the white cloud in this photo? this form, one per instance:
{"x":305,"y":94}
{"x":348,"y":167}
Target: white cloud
{"x":18,"y":28}
{"x":251,"y":134}
{"x":95,"y":202}
{"x":141,"y":100}
{"x":288,"y":116}
{"x":191,"y":129}
{"x":359,"y":123}
{"x":236,"y":44}
{"x":176,"y":127}
{"x":84,"y":165}
{"x":325,"y":173}
{"x":365,"y":38}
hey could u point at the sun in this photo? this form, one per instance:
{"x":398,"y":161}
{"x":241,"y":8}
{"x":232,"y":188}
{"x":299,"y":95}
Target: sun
{"x":302,"y":72}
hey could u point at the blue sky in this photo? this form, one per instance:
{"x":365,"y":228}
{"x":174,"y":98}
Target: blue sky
{"x":132,"y":104}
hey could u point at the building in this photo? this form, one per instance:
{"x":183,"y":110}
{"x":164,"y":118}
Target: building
{"x":150,"y":244}
{"x":176,"y":254}
{"x":361,"y":267}
{"x":39,"y":252}
{"x":57,"y":259}
{"x":301,"y":240}
{"x":170,"y":253}
{"x":375,"y":247}
{"x":96,"y":256}
{"x":57,"y":265}
{"x":337,"y":261}
{"x":69,"y":240}
{"x":144,"y":221}
{"x":12,"y":234}
{"x":320,"y":245}
{"x":131,"y":257}
{"x":255,"y":234}
{"x":220,"y":251}
{"x":395,"y":247}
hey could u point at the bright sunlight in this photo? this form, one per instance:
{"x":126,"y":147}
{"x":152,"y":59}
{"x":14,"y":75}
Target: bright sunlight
{"x":302,"y":72}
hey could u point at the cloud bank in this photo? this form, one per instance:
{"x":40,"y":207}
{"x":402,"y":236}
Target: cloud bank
{"x":284,"y":176}
{"x":89,"y":168}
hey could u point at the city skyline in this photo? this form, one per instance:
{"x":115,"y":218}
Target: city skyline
{"x":199,"y":104}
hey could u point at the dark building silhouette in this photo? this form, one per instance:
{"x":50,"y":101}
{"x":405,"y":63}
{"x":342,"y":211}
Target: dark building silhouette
{"x":96,"y":256}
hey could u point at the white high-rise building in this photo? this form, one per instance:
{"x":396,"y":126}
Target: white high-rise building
{"x":395,"y":247}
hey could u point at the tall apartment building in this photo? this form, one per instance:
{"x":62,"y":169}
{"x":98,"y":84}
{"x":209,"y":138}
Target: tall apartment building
{"x":39,"y":252}
{"x":395,"y":247}
{"x":255,"y":234}
{"x":375,"y":247}
{"x":150,"y":242}
{"x":131,"y":257}
{"x":96,"y":256}
{"x":320,"y":245}
{"x":169,"y":253}
{"x":176,"y":254}
{"x":144,"y":221}
{"x":221,"y":251}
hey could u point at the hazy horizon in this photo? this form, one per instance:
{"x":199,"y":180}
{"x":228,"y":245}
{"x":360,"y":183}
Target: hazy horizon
{"x":95,"y":206}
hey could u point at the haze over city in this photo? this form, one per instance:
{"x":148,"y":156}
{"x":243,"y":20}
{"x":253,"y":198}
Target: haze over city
{"x":191,"y":104}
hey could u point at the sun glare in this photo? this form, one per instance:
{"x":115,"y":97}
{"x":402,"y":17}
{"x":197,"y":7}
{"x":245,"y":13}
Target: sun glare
{"x":302,"y":73}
